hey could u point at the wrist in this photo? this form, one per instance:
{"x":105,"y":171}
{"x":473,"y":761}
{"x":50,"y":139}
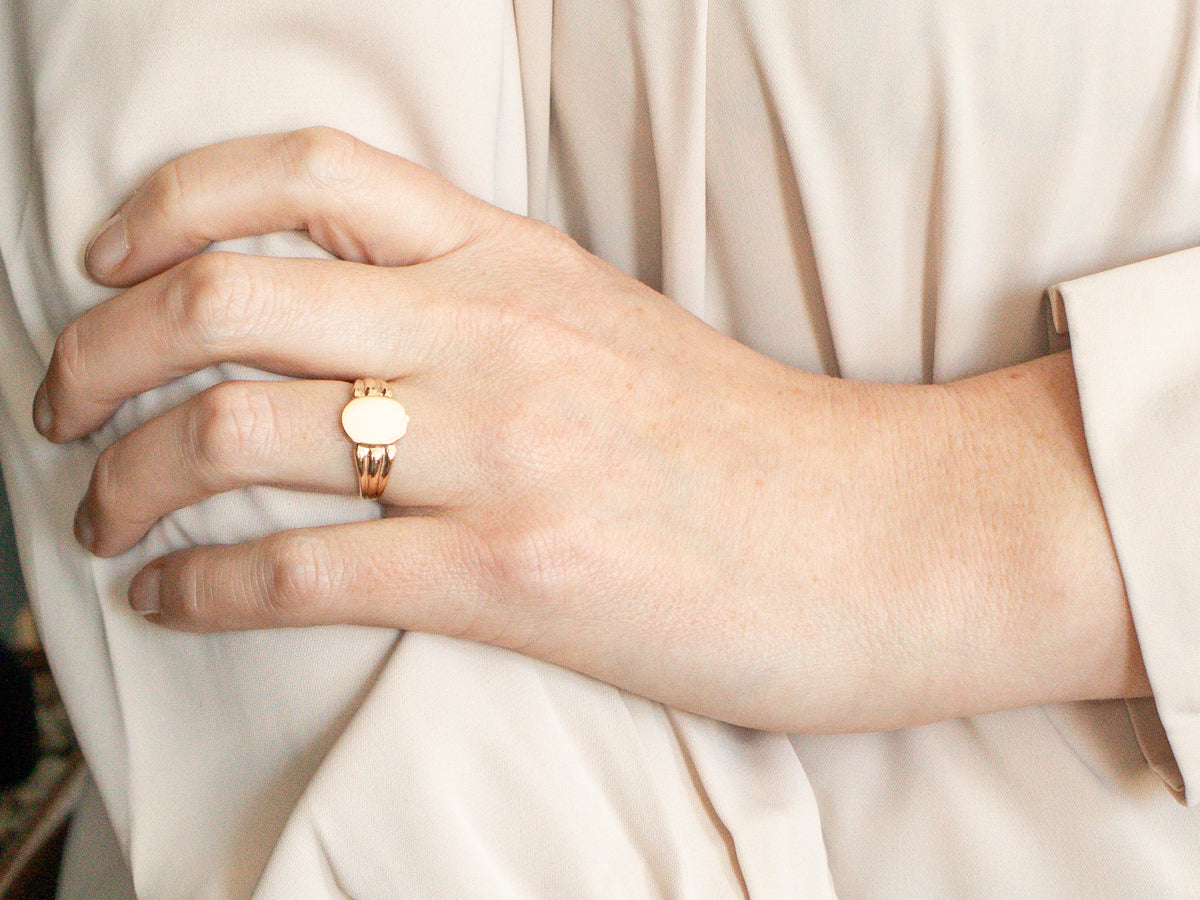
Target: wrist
{"x":1066,"y":620}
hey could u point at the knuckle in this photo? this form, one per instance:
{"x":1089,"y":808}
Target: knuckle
{"x":232,"y":428}
{"x":552,"y":243}
{"x":104,"y":488}
{"x":67,"y":391}
{"x":547,"y":249}
{"x":533,"y":560}
{"x":325,"y":157}
{"x":516,"y":331}
{"x":112,"y":508}
{"x":186,"y":578}
{"x":217,"y":300}
{"x":66,"y":363}
{"x":204,"y":592}
{"x":533,"y":441}
{"x":300,"y":575}
{"x":169,"y":191}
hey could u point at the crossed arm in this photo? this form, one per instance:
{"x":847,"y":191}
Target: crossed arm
{"x":591,"y":475}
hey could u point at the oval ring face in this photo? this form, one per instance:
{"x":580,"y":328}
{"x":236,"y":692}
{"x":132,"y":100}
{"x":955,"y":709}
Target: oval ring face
{"x":374,"y":420}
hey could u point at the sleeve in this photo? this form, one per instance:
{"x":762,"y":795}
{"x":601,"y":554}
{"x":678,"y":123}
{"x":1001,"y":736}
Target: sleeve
{"x":1135,"y":341}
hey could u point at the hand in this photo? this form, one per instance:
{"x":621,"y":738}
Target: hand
{"x":591,"y":475}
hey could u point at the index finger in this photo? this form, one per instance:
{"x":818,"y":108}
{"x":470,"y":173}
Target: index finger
{"x":358,"y":202}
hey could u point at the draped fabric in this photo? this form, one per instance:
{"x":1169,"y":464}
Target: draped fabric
{"x":880,"y":191}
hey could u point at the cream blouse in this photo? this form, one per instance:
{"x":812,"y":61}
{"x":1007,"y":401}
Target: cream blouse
{"x":878,"y":190}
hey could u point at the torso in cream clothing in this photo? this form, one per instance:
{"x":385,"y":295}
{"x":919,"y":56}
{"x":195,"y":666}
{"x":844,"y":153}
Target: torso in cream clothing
{"x":877,"y":190}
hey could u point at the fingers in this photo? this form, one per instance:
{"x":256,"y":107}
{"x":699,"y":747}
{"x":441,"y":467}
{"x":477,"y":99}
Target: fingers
{"x":244,"y":433}
{"x":419,"y":572}
{"x":358,"y":202}
{"x":306,"y":318}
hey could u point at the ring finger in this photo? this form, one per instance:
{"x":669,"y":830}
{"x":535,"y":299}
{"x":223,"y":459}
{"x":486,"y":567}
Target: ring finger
{"x":241,"y":433}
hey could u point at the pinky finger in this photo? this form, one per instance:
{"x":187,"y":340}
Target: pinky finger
{"x":417,"y":572}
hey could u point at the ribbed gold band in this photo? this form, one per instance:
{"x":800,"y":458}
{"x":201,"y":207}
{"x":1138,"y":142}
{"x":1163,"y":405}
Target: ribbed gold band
{"x":373,"y":462}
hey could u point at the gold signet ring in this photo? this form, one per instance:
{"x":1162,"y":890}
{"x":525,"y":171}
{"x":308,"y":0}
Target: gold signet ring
{"x":374,"y":420}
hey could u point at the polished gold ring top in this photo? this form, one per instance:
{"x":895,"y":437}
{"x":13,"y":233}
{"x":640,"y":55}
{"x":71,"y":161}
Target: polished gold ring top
{"x":374,"y":420}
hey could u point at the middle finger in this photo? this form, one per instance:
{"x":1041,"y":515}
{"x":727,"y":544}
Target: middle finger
{"x":301,"y":317}
{"x":241,"y":433}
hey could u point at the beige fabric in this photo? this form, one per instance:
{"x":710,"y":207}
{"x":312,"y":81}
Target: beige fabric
{"x":875,"y":190}
{"x":1138,"y":418}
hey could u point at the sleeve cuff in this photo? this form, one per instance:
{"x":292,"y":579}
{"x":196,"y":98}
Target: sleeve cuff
{"x":1135,"y":342}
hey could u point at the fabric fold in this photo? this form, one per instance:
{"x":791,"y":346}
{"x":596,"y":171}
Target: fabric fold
{"x":1142,"y":421}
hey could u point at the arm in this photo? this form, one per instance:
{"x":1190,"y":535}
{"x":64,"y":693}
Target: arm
{"x":599,"y":479}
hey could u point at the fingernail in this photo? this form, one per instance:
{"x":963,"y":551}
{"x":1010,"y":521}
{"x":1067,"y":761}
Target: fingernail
{"x":109,"y":248}
{"x":84,"y":532}
{"x":43,"y":415}
{"x":143,"y":593}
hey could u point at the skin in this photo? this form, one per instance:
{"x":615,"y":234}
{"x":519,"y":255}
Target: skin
{"x":592,"y":476}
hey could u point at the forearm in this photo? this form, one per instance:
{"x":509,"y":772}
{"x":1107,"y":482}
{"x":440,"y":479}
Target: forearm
{"x":991,"y":525}
{"x":1063,"y":572}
